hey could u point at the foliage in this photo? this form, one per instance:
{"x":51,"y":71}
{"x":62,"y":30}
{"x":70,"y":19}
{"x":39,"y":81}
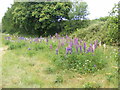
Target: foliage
{"x":104,"y":18}
{"x":79,"y":10}
{"x":92,"y":32}
{"x":71,"y":26}
{"x":16,"y":45}
{"x":104,"y":31}
{"x":35,"y":17}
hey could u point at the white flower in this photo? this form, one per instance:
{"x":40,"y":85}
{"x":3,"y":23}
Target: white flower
{"x":104,"y":45}
{"x":100,"y":43}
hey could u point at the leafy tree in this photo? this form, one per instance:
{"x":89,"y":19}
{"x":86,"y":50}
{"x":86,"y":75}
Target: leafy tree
{"x":113,"y":23}
{"x":36,"y":17}
{"x":79,"y":10}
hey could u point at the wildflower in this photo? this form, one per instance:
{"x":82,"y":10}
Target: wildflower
{"x":76,"y":41}
{"x":71,"y":44}
{"x":93,"y":48}
{"x":80,"y":48}
{"x":8,"y":38}
{"x":84,"y":47}
{"x":81,"y":41}
{"x":50,"y":46}
{"x":66,"y":36}
{"x":29,"y":48}
{"x":36,"y":40}
{"x":68,"y":49}
{"x":77,"y":49}
{"x":22,"y":38}
{"x":104,"y":46}
{"x":56,"y":34}
{"x":46,"y":39}
{"x":89,"y":49}
{"x":94,"y":65}
{"x":57,"y":51}
{"x":62,"y":44}
{"x":100,"y":43}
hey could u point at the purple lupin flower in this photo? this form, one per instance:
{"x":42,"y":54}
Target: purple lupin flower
{"x":89,"y":49}
{"x":68,"y":49}
{"x":84,"y":47}
{"x":71,"y":51}
{"x":66,"y":36}
{"x":95,"y":43}
{"x":36,"y":40}
{"x":22,"y":38}
{"x":62,"y":44}
{"x":80,"y":48}
{"x":76,"y":41}
{"x":77,"y":49}
{"x":8,"y":38}
{"x":94,"y":65}
{"x":56,"y":35}
{"x":47,"y":40}
{"x":71,"y":44}
{"x":57,"y":51}
{"x":29,"y":48}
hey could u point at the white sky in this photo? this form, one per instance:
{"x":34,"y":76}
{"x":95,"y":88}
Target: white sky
{"x":97,"y":8}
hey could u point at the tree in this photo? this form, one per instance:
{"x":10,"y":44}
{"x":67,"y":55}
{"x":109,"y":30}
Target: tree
{"x":78,"y":11}
{"x":38,"y":17}
{"x":113,"y":25}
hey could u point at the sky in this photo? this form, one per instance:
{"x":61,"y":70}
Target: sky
{"x":96,"y":8}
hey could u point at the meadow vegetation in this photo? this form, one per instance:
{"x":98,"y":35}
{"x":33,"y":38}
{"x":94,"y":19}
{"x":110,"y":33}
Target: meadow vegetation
{"x":72,"y":53}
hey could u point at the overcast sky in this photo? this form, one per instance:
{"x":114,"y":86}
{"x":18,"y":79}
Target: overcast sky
{"x":97,"y":8}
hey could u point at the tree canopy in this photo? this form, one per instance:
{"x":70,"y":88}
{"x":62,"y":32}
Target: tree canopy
{"x":35,"y":17}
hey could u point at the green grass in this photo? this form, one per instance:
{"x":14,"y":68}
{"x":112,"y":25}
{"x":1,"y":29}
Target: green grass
{"x":21,"y":70}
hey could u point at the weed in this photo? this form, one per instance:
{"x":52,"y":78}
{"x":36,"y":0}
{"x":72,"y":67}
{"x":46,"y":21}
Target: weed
{"x":59,"y":79}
